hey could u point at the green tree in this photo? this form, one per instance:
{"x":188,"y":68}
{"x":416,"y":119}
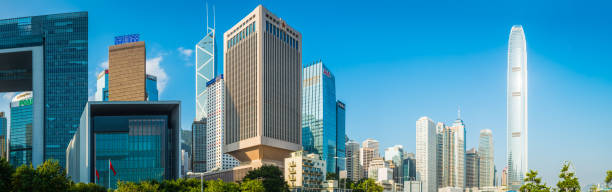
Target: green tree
{"x":608,"y":178}
{"x":219,"y":185}
{"x":568,"y":180}
{"x":6,"y":171}
{"x":271,"y":177}
{"x":89,"y":187}
{"x":180,"y":185}
{"x":368,"y":185}
{"x":252,"y":186}
{"x":23,"y":179}
{"x":534,"y":183}
{"x":51,"y":177}
{"x":144,"y":186}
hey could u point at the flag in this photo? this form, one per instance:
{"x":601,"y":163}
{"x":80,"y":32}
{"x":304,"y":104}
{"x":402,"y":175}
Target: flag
{"x":112,"y":168}
{"x":97,"y":174}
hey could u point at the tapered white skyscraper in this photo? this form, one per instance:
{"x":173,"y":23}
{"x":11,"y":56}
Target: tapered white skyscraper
{"x":426,"y":151}
{"x":517,"y":108}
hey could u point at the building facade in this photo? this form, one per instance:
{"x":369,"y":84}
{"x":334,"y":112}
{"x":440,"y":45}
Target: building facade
{"x":198,"y":159}
{"x":409,"y":167}
{"x":517,"y":108}
{"x":426,"y":153}
{"x":215,"y":158}
{"x":341,"y":137}
{"x":102,"y":86}
{"x":472,"y":168}
{"x":127,"y":71}
{"x":487,"y":163}
{"x":395,"y":155}
{"x":3,"y":136}
{"x":262,"y":72}
{"x":319,"y":130}
{"x":20,"y":151}
{"x":353,"y":168}
{"x":305,"y":172}
{"x":143,"y":145}
{"x":205,"y":68}
{"x":451,"y":154}
{"x":49,"y":56}
{"x":368,"y":151}
{"x":151,"y":88}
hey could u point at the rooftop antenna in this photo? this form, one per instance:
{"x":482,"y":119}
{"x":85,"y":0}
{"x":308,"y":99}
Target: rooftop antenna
{"x":206,"y":16}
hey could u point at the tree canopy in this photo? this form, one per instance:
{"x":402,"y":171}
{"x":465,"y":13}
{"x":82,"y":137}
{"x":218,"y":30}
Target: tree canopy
{"x":271,"y":176}
{"x":568,"y":181}
{"x":534,"y":183}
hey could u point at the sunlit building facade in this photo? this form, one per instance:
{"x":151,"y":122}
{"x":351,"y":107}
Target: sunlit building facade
{"x":517,"y":108}
{"x":487,"y":163}
{"x":215,"y":122}
{"x":426,"y":153}
{"x":205,"y":68}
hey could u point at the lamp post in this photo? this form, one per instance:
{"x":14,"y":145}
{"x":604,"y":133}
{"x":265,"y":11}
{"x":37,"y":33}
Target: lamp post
{"x":201,"y":178}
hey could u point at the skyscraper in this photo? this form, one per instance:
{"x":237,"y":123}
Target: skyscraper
{"x":368,"y":151}
{"x":21,"y":130}
{"x":485,"y":150}
{"x":451,"y":154}
{"x":319,"y":130}
{"x":215,"y":158}
{"x":3,"y":135}
{"x":353,"y":168}
{"x":341,"y":138}
{"x":127,"y":71}
{"x":49,"y":57}
{"x":426,"y":152}
{"x":262,"y":72}
{"x":151,"y":88}
{"x":205,"y":66}
{"x":102,"y":86}
{"x":409,"y":167}
{"x":395,"y":154}
{"x":517,"y":108}
{"x":472,"y":168}
{"x":198,"y":159}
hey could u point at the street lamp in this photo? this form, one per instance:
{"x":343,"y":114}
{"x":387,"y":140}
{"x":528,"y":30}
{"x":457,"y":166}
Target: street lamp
{"x":201,"y":178}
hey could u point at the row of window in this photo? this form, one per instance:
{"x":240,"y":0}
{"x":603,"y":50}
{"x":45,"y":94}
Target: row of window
{"x":282,"y":35}
{"x":241,"y":35}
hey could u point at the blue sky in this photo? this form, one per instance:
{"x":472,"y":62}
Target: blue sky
{"x":397,"y":61}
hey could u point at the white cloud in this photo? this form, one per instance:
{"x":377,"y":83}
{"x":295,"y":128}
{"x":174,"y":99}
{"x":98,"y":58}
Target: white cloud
{"x":104,"y":65}
{"x":185,"y":52}
{"x":154,"y":68}
{"x":9,"y":96}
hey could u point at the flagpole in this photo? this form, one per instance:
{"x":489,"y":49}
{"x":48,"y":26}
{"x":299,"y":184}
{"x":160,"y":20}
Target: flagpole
{"x":109,"y":173}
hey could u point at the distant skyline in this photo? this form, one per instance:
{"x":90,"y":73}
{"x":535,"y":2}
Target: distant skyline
{"x":397,"y":61}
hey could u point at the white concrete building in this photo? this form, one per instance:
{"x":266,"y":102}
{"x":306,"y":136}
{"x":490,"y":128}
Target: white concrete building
{"x":426,"y":154}
{"x":487,"y":163}
{"x":215,"y":158}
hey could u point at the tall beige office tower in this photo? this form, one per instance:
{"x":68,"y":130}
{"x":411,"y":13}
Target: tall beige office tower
{"x":368,"y":152}
{"x":127,"y":72}
{"x":262,"y":71}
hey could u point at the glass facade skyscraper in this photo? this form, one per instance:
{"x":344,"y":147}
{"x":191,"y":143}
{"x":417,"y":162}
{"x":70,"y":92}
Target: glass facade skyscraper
{"x":487,"y":164}
{"x":56,"y":72}
{"x":205,"y":69}
{"x":319,"y":130}
{"x":3,"y":135}
{"x":517,"y":108}
{"x":151,"y":88}
{"x":198,"y":160}
{"x":341,"y":136}
{"x":21,"y":130}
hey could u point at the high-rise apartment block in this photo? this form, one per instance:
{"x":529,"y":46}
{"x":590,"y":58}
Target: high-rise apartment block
{"x":426,"y":153}
{"x":262,"y":72}
{"x":127,"y":71}
{"x":487,"y":163}
{"x":215,"y":158}
{"x":517,"y":108}
{"x":48,"y":56}
{"x":353,"y":168}
{"x":198,"y":159}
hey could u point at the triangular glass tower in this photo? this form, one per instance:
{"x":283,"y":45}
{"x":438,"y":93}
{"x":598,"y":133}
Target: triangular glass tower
{"x":205,"y":67}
